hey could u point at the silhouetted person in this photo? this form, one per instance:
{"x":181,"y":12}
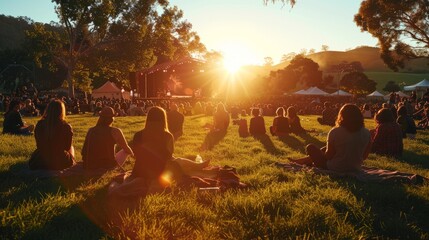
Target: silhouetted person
{"x":13,"y":123}
{"x":280,"y":125}
{"x":175,"y":121}
{"x":257,"y":123}
{"x":53,"y":140}
{"x":98,"y":150}
{"x":387,"y":135}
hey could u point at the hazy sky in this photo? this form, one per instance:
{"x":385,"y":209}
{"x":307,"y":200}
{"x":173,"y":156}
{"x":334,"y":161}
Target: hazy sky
{"x":248,"y":28}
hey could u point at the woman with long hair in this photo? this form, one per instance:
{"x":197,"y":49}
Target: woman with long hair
{"x":153,"y":146}
{"x":221,"y":118}
{"x":280,"y":125}
{"x":347,"y":146}
{"x":53,"y":140}
{"x":98,"y":151}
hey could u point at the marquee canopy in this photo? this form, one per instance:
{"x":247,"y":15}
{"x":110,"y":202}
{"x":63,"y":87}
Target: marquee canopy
{"x":109,"y":90}
{"x":375,"y":94}
{"x":420,"y":86}
{"x":313,"y":91}
{"x":341,"y":93}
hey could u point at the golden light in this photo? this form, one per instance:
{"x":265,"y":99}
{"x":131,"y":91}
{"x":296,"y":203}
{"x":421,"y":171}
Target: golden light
{"x":235,"y":56}
{"x":232,"y":64}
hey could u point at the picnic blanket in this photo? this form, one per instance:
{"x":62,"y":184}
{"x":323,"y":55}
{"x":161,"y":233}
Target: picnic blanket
{"x":212,"y":177}
{"x":366,"y":174}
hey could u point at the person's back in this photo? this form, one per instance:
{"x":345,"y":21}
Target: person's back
{"x":152,"y":151}
{"x":175,"y":122}
{"x":53,"y":150}
{"x":221,"y":119}
{"x":257,"y":125}
{"x":388,"y":140}
{"x":329,"y":115}
{"x":280,"y":126}
{"x":98,"y":149}
{"x":349,"y":148}
{"x":12,"y":123}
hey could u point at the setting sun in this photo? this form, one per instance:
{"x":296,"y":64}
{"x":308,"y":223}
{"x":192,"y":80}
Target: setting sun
{"x":232,"y":65}
{"x":235,"y":56}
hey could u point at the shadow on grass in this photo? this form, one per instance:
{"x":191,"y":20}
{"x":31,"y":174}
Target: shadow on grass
{"x":396,"y":213}
{"x":310,"y":139}
{"x":417,"y":160}
{"x":293,"y":143}
{"x":65,"y":225}
{"x":18,"y":184}
{"x":212,"y":138}
{"x":267,"y":143}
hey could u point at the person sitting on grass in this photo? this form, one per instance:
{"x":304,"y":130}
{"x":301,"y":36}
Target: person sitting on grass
{"x":98,"y":151}
{"x":153,"y":149}
{"x":407,"y":124}
{"x":280,"y":125}
{"x":294,"y":122}
{"x":221,"y":119}
{"x":175,"y":121}
{"x":348,"y":144}
{"x":257,"y":123}
{"x":13,"y":123}
{"x":54,"y":138}
{"x":387,"y":135}
{"x":328,"y":115}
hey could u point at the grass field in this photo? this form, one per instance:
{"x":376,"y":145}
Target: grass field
{"x":277,"y":205}
{"x":402,"y":79}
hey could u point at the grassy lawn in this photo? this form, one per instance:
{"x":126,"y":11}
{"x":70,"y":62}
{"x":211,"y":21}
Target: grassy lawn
{"x":400,"y":78}
{"x":277,"y":204}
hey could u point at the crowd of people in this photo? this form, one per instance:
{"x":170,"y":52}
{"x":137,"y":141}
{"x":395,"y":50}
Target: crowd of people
{"x":348,"y":142}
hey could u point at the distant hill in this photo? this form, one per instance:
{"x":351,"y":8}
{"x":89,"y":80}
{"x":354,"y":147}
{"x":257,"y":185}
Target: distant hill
{"x":368,"y":56}
{"x":12,"y":31}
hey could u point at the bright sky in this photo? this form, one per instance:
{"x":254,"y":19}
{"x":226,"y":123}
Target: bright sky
{"x":247,"y":29}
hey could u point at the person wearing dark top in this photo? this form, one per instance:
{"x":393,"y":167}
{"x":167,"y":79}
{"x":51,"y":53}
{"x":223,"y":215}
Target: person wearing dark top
{"x":98,"y":151}
{"x":13,"y":123}
{"x":407,"y":124}
{"x":153,"y":146}
{"x":280,"y":125}
{"x":53,"y":140}
{"x":175,"y":121}
{"x":294,"y":121}
{"x":257,"y":123}
{"x":329,"y":115}
{"x":387,"y":135}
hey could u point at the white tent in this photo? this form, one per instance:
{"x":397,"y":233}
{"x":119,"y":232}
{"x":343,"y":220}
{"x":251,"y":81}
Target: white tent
{"x":109,"y":90}
{"x":420,"y":86}
{"x":315,"y":91}
{"x":341,"y":93}
{"x":375,"y":94}
{"x":300,"y":92}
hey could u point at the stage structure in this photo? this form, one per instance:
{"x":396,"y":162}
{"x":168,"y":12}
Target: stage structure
{"x":185,"y":77}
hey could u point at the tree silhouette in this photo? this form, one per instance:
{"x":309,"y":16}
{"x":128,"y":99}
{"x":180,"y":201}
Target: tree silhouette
{"x":401,"y":28}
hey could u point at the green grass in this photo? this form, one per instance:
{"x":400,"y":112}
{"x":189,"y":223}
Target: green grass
{"x":277,"y":204}
{"x":402,"y":79}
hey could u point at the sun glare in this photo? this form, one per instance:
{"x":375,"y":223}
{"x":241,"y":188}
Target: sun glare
{"x":232,"y":65}
{"x":235,"y":56}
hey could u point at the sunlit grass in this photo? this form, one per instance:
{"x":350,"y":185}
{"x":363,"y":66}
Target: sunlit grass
{"x":277,"y":204}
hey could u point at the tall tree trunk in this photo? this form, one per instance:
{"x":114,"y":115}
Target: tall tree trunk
{"x":70,"y":81}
